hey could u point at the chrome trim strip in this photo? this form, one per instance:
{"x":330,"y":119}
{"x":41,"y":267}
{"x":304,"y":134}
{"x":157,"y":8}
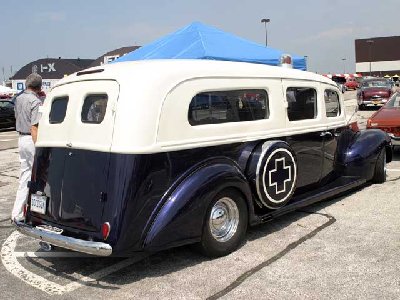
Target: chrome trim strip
{"x":89,"y":247}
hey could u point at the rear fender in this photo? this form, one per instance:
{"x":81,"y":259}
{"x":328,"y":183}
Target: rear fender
{"x":357,"y":152}
{"x":180,"y":220}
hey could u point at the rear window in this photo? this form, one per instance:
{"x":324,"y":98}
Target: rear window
{"x":228,"y":106}
{"x":58,"y":110}
{"x":302,"y":103}
{"x":94,"y":108}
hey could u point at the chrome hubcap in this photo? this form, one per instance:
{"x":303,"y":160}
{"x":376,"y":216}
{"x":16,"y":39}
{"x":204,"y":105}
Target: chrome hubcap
{"x":224,"y":219}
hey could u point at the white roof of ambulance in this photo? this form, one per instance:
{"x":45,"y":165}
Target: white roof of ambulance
{"x":144,"y":86}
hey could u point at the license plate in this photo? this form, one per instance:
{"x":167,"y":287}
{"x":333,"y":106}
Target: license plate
{"x":376,"y":101}
{"x":38,"y":203}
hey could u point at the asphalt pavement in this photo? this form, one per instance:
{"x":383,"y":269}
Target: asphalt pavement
{"x":344,"y":248}
{"x":8,"y":139}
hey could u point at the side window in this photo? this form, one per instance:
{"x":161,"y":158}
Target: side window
{"x":94,"y":108}
{"x":228,"y":106}
{"x":332,"y":104}
{"x":58,"y":110}
{"x":302,"y":103}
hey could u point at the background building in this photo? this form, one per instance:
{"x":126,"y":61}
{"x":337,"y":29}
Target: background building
{"x":113,"y":55}
{"x":51,"y":70}
{"x":378,"y":56}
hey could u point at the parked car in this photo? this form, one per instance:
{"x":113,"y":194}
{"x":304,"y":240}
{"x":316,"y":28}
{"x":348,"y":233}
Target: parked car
{"x":388,"y":119}
{"x":7,"y":115}
{"x":351,"y":84}
{"x":374,"y":92}
{"x":41,"y":95}
{"x":340,"y":81}
{"x":15,"y":97}
{"x":189,"y":151}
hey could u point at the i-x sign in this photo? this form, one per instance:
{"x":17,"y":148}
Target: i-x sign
{"x":50,"y":67}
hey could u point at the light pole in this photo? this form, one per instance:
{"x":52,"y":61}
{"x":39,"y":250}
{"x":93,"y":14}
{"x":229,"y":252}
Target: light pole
{"x":344,"y":65}
{"x":370,"y":42}
{"x":265,"y":21}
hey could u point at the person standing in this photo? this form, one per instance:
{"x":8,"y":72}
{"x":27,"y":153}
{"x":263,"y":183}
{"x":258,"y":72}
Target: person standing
{"x":26,"y":122}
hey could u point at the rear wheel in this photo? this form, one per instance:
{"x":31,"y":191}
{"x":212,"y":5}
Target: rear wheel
{"x":380,"y":168}
{"x":361,"y":106}
{"x":225,"y":224}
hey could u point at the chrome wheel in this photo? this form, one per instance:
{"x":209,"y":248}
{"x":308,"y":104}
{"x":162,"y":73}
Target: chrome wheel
{"x":224,"y":219}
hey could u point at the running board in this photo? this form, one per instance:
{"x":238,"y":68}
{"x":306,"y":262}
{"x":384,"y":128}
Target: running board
{"x":336,"y":187}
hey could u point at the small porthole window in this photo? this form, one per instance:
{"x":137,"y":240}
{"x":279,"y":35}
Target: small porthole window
{"x":94,"y":109}
{"x":58,"y":110}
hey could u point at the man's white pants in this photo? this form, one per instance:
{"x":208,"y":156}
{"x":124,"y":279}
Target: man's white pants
{"x":26,"y":155}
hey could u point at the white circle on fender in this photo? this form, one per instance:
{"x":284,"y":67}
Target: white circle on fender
{"x":276,"y":175}
{"x":267,"y":177}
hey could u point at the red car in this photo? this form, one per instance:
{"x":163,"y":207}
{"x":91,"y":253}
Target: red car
{"x":351,"y":84}
{"x":374,"y":92}
{"x":388,"y":119}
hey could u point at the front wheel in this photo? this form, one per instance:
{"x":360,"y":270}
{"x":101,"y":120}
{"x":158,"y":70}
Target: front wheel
{"x":380,"y":168}
{"x":225,"y":225}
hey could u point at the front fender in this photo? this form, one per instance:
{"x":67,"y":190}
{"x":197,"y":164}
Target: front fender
{"x":180,"y":220}
{"x":358,"y":152}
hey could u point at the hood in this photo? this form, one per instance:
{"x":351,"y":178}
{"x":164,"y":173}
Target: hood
{"x":387,"y":117}
{"x":381,"y":91}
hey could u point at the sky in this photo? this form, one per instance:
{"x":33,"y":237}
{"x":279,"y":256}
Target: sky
{"x":322,"y":30}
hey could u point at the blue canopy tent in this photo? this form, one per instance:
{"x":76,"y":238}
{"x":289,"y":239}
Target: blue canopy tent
{"x":198,"y":41}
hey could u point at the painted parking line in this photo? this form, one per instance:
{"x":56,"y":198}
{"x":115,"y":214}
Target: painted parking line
{"x":10,"y":262}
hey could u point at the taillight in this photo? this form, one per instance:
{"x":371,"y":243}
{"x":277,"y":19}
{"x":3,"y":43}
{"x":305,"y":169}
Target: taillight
{"x":105,"y":230}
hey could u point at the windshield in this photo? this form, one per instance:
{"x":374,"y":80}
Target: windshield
{"x":394,"y":101}
{"x":376,"y":83}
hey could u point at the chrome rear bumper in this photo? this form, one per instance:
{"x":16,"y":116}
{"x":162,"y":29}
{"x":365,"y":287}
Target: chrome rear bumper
{"x":89,"y":247}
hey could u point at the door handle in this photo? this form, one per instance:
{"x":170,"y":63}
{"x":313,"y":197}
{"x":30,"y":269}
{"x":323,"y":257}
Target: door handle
{"x":69,"y":145}
{"x":326,"y":133}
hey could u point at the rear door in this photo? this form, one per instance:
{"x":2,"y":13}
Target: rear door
{"x":305,"y":129}
{"x":336,"y":125}
{"x":83,"y":140}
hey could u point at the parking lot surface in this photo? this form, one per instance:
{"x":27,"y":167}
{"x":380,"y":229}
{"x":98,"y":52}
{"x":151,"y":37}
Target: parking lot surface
{"x":344,"y":248}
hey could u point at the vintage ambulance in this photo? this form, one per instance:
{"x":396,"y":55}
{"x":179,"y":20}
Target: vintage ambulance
{"x":148,"y":155}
